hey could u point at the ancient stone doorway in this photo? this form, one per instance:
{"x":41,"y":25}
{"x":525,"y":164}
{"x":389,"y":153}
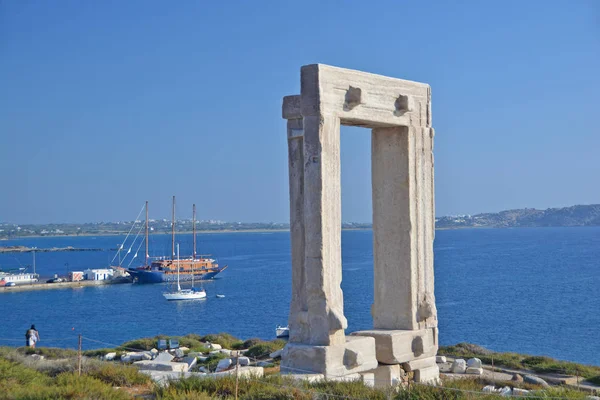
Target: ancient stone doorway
{"x":398,"y":113}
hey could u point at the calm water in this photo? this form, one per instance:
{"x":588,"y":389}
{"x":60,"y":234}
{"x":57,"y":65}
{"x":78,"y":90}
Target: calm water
{"x":525,"y":290}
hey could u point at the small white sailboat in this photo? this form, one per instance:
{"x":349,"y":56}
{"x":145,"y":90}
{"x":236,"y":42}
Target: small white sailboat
{"x":184,"y":294}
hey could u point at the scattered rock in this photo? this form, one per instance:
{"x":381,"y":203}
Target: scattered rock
{"x":202,"y":358}
{"x":164,"y":357}
{"x":265,"y":364}
{"x":276,"y":354}
{"x":110,"y":356}
{"x":505,"y":391}
{"x":154,"y":352}
{"x":215,"y":346}
{"x":440,"y":359}
{"x":190,"y":361}
{"x":161,"y":366}
{"x":474,"y":363}
{"x":224,"y":364}
{"x":37,"y":357}
{"x":534,"y":380}
{"x":225,"y":351}
{"x":184,"y":349}
{"x":244,"y":361}
{"x":459,"y":366}
{"x":203,"y":369}
{"x":194,"y":354}
{"x":179,"y":353}
{"x":215,"y":352}
{"x":474,"y":371}
{"x":489,"y":389}
{"x":517,"y":378}
{"x":521,"y":392}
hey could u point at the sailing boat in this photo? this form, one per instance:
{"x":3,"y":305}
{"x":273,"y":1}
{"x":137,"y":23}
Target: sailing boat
{"x":162,"y":269}
{"x":184,"y":294}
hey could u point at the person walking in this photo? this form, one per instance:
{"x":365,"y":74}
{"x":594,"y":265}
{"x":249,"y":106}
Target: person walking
{"x":32,"y":336}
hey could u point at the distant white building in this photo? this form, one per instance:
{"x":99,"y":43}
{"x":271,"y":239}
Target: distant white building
{"x":98,"y":274}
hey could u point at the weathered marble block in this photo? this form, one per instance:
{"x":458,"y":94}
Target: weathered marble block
{"x":356,"y":355}
{"x":400,"y":346}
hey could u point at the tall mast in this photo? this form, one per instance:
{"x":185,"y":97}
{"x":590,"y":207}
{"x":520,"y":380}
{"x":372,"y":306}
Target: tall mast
{"x":173,"y":231}
{"x":146,"y":262}
{"x":194,"y":229}
{"x":178,"y":286}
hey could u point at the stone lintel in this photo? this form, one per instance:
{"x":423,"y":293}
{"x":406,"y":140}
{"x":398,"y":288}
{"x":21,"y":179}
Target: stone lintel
{"x":363,"y":99}
{"x":401,"y":346}
{"x":337,"y":361}
{"x":291,"y":107}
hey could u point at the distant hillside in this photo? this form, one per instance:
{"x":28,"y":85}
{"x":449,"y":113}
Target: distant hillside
{"x":529,"y":217}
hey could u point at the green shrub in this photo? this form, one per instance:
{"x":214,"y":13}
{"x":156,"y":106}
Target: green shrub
{"x":119,"y":375}
{"x":98,"y":352}
{"x":49,"y":352}
{"x":139,"y":344}
{"x":224,"y":339}
{"x":72,"y":386}
{"x":263,"y":349}
{"x":250,"y":342}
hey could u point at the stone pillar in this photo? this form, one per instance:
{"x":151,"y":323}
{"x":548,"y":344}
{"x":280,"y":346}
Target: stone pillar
{"x":322,"y":230}
{"x":402,"y":180}
{"x":298,"y":318}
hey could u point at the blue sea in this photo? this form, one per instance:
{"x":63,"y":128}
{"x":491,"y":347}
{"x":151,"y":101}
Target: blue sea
{"x":527,"y":290}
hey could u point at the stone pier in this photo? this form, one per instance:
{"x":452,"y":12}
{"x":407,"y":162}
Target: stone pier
{"x":404,"y":331}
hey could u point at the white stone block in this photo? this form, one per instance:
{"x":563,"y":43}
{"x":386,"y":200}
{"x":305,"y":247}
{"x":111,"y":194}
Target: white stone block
{"x":489,"y":389}
{"x":110,"y":356}
{"x":310,"y":378}
{"x":244,"y":361}
{"x":184,"y":349}
{"x":534,"y":380}
{"x":459,"y":366}
{"x":178,"y":353}
{"x":368,"y":378}
{"x":474,"y":371}
{"x":164,"y":357}
{"x":190,"y":361}
{"x":440,"y":359}
{"x":357,"y":355}
{"x":153,"y":365}
{"x":430,"y":375}
{"x":224,"y":364}
{"x":215,"y":346}
{"x":523,"y":392}
{"x":474,"y":363}
{"x":400,"y":346}
{"x":387,"y":375}
{"x":505,"y":391}
{"x":276,"y":353}
{"x":419,"y":364}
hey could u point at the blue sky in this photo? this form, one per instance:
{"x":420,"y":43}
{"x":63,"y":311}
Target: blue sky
{"x":106,"y":104}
